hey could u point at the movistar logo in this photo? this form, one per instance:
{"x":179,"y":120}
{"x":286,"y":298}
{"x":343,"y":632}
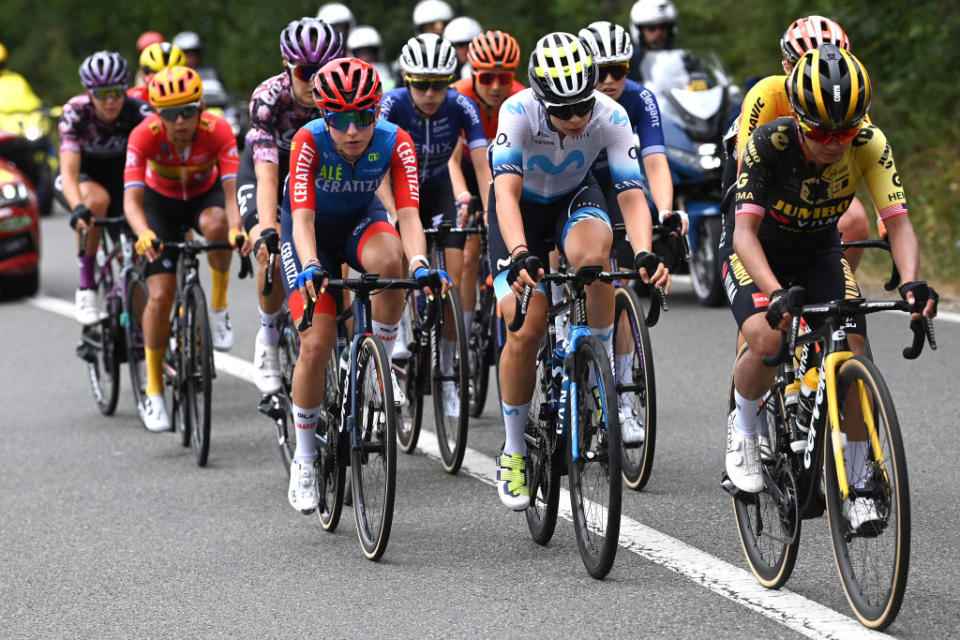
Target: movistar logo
{"x":619,"y":118}
{"x":515,"y":108}
{"x":545,"y":164}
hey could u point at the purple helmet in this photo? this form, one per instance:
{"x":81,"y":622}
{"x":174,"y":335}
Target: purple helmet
{"x":103,"y":69}
{"x":310,"y":41}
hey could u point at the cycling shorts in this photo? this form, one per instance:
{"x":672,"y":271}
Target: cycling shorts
{"x":438,"y":204}
{"x":108,"y":175}
{"x":171,"y":219}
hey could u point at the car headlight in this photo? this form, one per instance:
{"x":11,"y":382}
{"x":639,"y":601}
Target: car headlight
{"x":12,"y":194}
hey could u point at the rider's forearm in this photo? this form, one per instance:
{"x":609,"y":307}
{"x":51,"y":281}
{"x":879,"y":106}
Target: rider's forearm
{"x":482,"y":169}
{"x":385,"y":193}
{"x":636,"y":216}
{"x":70,"y":177}
{"x":508,"y":188}
{"x":268,"y":181}
{"x":304,"y":235}
{"x":747,"y":246}
{"x":454,"y":165}
{"x":903,"y":247}
{"x":661,"y":183}
{"x":411,"y":232}
{"x":230,"y":197}
{"x":134,"y":211}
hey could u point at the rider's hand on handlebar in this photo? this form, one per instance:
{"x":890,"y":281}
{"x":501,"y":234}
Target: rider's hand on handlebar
{"x":148,"y":245}
{"x":667,"y":217}
{"x":423,"y":275}
{"x":463,"y":208}
{"x":922,"y":297}
{"x":312,"y":272}
{"x":239,"y":239}
{"x":778,"y":316}
{"x":80,"y":217}
{"x":525,"y":271}
{"x":267,"y":243}
{"x":652,"y":270}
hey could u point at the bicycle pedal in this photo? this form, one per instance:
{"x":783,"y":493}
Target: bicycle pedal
{"x":727,"y":485}
{"x":85,"y":352}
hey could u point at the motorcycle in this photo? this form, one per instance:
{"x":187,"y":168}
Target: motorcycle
{"x":19,"y":230}
{"x":32,"y":149}
{"x":697,"y":99}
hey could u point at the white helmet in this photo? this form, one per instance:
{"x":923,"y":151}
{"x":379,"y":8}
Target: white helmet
{"x":336,"y":13}
{"x":428,"y":55}
{"x":562,"y":70}
{"x":187,"y":41}
{"x":430,"y":11}
{"x":608,"y":42}
{"x":364,"y":37}
{"x":650,"y":12}
{"x":462,"y":30}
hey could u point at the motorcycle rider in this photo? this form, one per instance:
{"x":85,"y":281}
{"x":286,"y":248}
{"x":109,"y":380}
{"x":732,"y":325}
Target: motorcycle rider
{"x":653,"y":25}
{"x":17,"y":97}
{"x":364,"y":43}
{"x":460,"y":31}
{"x":338,"y":16}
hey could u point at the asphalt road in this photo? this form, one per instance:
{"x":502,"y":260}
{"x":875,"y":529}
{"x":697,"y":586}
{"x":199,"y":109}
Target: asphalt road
{"x":110,"y":531}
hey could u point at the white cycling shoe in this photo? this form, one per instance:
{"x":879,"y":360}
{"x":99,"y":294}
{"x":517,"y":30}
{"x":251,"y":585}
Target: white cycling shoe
{"x":86,"y":306}
{"x":862,"y":514}
{"x":400,"y":350}
{"x":221,"y":329}
{"x":154,"y":413}
{"x":266,"y":366}
{"x":304,"y":496}
{"x":630,"y":426}
{"x":451,"y":399}
{"x":399,"y":397}
{"x":743,"y":459}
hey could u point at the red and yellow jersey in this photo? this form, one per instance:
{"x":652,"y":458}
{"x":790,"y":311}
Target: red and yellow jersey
{"x":488,"y":119}
{"x":140,"y":93}
{"x":153,"y":161}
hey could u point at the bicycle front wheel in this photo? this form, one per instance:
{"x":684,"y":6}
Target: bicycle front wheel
{"x":198,"y":371}
{"x":449,"y":385}
{"x":479,"y":347}
{"x":593,"y":457}
{"x":414,"y":380}
{"x":373,"y":452}
{"x":873,"y":560}
{"x":103,"y":348}
{"x":332,"y":471}
{"x":543,"y":461}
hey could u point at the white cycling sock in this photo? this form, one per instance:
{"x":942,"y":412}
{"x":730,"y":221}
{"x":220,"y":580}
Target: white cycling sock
{"x":855,"y":460}
{"x":387,"y":334}
{"x":514,"y":421}
{"x":745,"y":423}
{"x":557,"y":295}
{"x":605,"y":335}
{"x":306,"y":423}
{"x":448,"y":350}
{"x":268,"y":328}
{"x":624,"y":374}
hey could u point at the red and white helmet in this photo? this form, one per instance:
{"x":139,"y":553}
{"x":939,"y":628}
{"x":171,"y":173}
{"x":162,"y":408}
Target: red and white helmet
{"x":347,"y":84}
{"x":809,"y":33}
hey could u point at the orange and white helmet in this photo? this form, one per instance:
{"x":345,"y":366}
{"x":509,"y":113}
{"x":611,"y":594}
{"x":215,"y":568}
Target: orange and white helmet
{"x":809,"y":33}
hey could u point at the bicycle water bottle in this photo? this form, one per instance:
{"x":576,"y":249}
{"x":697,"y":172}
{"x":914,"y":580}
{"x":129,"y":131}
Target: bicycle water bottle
{"x":808,"y":387}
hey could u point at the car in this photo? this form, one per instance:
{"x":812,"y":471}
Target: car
{"x":19,"y":233}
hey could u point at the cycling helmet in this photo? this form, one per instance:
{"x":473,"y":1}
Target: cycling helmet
{"x":561,"y":70}
{"x":829,"y":88}
{"x":430,"y":11}
{"x":809,"y":33}
{"x":347,"y":84}
{"x":3,"y":53}
{"x":364,"y":37}
{"x":310,"y":41}
{"x":174,"y":86}
{"x":608,"y":42}
{"x":337,"y":15}
{"x":493,"y":49}
{"x":428,"y":55}
{"x":148,"y":38}
{"x":103,"y":69}
{"x":652,"y":12}
{"x":161,"y":55}
{"x":462,"y":30}
{"x":188,"y":41}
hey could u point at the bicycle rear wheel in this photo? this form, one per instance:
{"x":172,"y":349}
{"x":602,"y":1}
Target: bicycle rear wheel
{"x":874,"y":560}
{"x":373,"y":451}
{"x":135,"y":297}
{"x":450,"y":399}
{"x":102,"y":349}
{"x":480,"y":356}
{"x":332,"y":473}
{"x":414,"y":376}
{"x":595,"y":486}
{"x":637,"y":386}
{"x":543,"y":461}
{"x":198,"y":377}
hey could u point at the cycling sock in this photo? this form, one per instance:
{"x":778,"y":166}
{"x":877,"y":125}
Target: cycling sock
{"x":514,"y":421}
{"x":268,"y":328}
{"x":605,"y":335}
{"x":447,"y":350}
{"x":154,"y":358}
{"x":746,"y":421}
{"x":218,"y":289}
{"x":306,"y":420}
{"x":624,"y":374}
{"x":855,"y":460}
{"x":557,"y":295}
{"x":468,"y":324}
{"x":387,"y":334}
{"x":86,"y":265}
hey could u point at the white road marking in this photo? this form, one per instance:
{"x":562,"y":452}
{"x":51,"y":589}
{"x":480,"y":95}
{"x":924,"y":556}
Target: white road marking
{"x":800,"y":614}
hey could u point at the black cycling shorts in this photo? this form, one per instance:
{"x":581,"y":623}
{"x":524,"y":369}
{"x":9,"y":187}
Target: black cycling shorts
{"x":438,"y":204}
{"x":171,"y":219}
{"x":247,"y":187}
{"x":108,"y":174}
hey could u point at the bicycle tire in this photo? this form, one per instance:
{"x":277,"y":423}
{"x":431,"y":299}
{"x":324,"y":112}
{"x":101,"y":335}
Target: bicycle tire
{"x":332,"y":473}
{"x":105,"y":340}
{"x":288,"y":349}
{"x":415,"y":380}
{"x":198,"y":380}
{"x":135,"y":296}
{"x":543,"y":461}
{"x":480,"y":355}
{"x":638,"y":457}
{"x":373,"y":448}
{"x":595,"y":486}
{"x":451,"y":429}
{"x":175,"y":373}
{"x":884,"y":546}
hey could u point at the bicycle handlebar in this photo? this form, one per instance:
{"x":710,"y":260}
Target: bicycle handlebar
{"x":894,"y":281}
{"x":195,"y":247}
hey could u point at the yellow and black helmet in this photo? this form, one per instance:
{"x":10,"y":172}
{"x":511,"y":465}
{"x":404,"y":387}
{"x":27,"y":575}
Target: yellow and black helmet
{"x":175,"y":86}
{"x":161,"y":55}
{"x":829,"y":88}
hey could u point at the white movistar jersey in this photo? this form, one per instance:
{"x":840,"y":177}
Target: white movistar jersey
{"x":526,"y":145}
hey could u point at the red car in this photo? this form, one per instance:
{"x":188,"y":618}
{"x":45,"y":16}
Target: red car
{"x":19,"y":232}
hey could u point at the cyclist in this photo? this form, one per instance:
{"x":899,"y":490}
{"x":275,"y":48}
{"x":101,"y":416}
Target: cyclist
{"x":155,"y":57}
{"x":431,"y":16}
{"x":494,"y":57}
{"x":338,"y":16}
{"x":94,"y":128}
{"x":653,"y":25}
{"x":280,"y":105}
{"x":460,"y":31}
{"x":611,"y":49}
{"x":148,"y":38}
{"x":797,"y":177}
{"x":365,"y":43}
{"x":434,"y":115}
{"x":331,"y":215}
{"x":174,"y":160}
{"x":767,"y":100}
{"x":547,"y":138}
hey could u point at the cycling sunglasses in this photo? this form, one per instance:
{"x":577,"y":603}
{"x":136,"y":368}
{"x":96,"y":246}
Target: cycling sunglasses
{"x":616,"y":71}
{"x":505,"y":78}
{"x":823,"y":136}
{"x":340,"y":120}
{"x":106,"y":93}
{"x":304,"y":72}
{"x":567,"y":111}
{"x":170,"y":114}
{"x":425,"y":84}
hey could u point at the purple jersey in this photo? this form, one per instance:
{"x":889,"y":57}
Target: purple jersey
{"x":81,"y":131}
{"x":275,"y":116}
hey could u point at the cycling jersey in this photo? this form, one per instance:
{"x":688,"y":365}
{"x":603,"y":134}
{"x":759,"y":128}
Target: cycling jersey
{"x":275,"y":116}
{"x":641,"y":105}
{"x":436,"y":136}
{"x":488,"y":118}
{"x":800,"y":207}
{"x":81,"y":131}
{"x":152,"y":161}
{"x":321,"y":180}
{"x":526,"y":145}
{"x":140,"y":93}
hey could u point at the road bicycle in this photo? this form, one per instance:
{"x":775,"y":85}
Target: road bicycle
{"x":807,"y":473}
{"x":358,"y":423}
